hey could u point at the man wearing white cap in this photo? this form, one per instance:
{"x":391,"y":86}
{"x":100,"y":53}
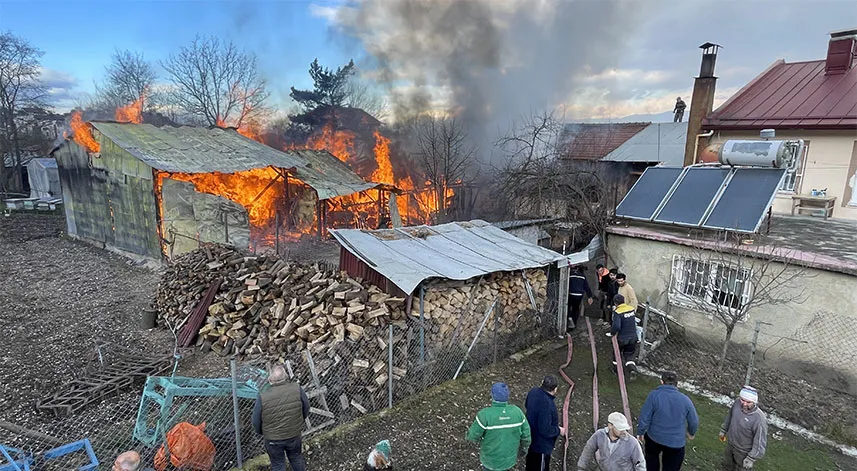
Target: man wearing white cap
{"x":745,"y":431}
{"x":613,"y":448}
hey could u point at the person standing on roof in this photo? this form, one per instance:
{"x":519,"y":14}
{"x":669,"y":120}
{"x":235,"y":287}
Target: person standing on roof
{"x":624,"y":327}
{"x":544,"y":424}
{"x":745,"y":431}
{"x":667,"y":420}
{"x":680,"y":106}
{"x":578,"y":287}
{"x":613,"y":448}
{"x":501,"y":430}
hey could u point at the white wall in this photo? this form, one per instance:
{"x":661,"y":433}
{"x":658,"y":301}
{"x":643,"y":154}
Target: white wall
{"x":829,"y":164}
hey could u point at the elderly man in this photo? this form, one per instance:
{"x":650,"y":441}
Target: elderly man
{"x":745,"y":431}
{"x":613,"y":448}
{"x":278,"y":416}
{"x":501,"y":430}
{"x":668,"y":419}
{"x":128,"y":461}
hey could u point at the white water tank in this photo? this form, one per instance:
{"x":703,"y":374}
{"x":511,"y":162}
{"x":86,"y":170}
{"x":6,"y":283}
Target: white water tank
{"x":754,"y":153}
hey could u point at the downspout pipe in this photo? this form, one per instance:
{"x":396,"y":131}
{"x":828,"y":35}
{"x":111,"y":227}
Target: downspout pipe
{"x":696,"y":144}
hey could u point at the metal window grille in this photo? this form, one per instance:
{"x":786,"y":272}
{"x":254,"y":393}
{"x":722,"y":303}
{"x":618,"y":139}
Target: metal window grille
{"x":697,"y":282}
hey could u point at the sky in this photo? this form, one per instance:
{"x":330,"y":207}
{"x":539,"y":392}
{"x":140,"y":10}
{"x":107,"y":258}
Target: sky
{"x":646,"y":51}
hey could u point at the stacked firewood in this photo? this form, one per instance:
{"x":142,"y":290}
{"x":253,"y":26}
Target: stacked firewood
{"x":459,"y":308}
{"x":268,"y":306}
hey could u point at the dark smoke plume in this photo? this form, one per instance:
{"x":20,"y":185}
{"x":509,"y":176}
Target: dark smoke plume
{"x":488,"y":62}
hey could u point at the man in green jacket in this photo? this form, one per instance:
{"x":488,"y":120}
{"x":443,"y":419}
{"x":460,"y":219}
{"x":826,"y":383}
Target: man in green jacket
{"x":500,"y":429}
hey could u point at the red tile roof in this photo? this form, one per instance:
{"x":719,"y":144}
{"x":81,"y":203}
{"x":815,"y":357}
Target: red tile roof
{"x":594,"y":141}
{"x":791,"y":95}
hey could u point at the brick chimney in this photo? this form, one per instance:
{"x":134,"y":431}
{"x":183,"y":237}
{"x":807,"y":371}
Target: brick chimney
{"x":841,"y":52}
{"x":702,"y":102}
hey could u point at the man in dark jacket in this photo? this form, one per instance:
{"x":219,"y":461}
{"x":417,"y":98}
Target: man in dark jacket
{"x":578,"y":287}
{"x":611,"y":290}
{"x":668,"y":419}
{"x":624,"y":327}
{"x":278,"y":416}
{"x":544,"y":424}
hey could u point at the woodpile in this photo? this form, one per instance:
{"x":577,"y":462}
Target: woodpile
{"x":269,"y":308}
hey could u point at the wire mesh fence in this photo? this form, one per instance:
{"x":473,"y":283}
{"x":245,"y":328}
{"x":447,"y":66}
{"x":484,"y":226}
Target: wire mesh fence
{"x":800,"y":376}
{"x":206,"y":423}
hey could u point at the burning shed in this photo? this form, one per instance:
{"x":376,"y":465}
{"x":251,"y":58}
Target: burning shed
{"x":156,"y":191}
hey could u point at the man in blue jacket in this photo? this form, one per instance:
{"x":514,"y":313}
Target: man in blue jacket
{"x":544,"y":424}
{"x":578,"y":287}
{"x":668,"y":419}
{"x":624,"y":327}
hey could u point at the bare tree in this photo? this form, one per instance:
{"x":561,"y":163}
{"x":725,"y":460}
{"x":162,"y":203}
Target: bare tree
{"x":359,"y":93}
{"x":537,"y":181}
{"x":129,"y":78}
{"x":726,"y":279}
{"x":217,"y":82}
{"x":20,"y":70}
{"x":443,"y":151}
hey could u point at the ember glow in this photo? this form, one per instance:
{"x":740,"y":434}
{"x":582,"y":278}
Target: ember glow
{"x":259,"y":190}
{"x":340,"y":143}
{"x":131,"y":113}
{"x":82,"y":133}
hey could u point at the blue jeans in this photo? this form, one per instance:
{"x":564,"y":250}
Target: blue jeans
{"x":280,"y":449}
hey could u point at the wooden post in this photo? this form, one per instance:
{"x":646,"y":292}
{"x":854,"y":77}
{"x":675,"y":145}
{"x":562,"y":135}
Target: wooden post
{"x":286,"y":202}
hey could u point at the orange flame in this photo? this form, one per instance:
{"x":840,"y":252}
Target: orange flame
{"x":131,"y":113}
{"x":82,"y":134}
{"x":384,"y":173}
{"x":252,"y":189}
{"x":340,"y":143}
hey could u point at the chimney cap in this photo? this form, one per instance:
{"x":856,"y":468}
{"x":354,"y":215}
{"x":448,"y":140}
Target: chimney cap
{"x":843,"y":33}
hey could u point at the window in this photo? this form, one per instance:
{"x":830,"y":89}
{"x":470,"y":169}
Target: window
{"x":794,"y":171}
{"x":699,"y":283}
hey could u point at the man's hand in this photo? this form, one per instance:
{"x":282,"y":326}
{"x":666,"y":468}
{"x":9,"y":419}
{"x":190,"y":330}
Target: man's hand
{"x":642,"y":439}
{"x":748,"y":463}
{"x":562,"y":431}
{"x":689,"y":436}
{"x":722,"y":436}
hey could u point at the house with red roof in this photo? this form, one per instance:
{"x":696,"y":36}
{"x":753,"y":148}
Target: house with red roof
{"x":815,"y":101}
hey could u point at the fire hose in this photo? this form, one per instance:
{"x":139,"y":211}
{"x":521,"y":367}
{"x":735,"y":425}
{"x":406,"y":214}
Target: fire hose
{"x":620,"y":372}
{"x":567,"y":399}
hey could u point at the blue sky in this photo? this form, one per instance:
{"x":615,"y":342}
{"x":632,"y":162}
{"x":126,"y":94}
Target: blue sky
{"x":654,"y":61}
{"x":79,"y":37}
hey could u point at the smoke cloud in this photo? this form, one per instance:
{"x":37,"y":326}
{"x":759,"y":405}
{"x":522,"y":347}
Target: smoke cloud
{"x":488,"y":62}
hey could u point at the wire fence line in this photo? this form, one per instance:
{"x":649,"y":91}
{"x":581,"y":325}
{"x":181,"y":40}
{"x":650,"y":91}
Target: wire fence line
{"x":801,"y":376}
{"x":206,"y":423}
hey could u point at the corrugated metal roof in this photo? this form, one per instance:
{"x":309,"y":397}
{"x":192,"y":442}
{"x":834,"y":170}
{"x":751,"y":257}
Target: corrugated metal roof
{"x":189,"y":149}
{"x":658,"y":142}
{"x":520,"y":223}
{"x":457,"y":251}
{"x":594,"y":141}
{"x":791,"y":95}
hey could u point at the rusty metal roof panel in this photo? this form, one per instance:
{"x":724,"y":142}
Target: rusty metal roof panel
{"x":190,"y":149}
{"x":458,"y":251}
{"x":792,"y":95}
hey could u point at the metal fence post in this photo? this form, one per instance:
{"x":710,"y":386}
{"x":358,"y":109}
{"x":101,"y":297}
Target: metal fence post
{"x":234,"y":367}
{"x":496,"y":326}
{"x":390,"y":368}
{"x":422,"y":326}
{"x":753,"y":352}
{"x":645,"y":330}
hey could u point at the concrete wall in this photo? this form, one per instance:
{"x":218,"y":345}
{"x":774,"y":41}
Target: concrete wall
{"x":831,"y":163}
{"x":109,"y":199}
{"x":825,"y":320}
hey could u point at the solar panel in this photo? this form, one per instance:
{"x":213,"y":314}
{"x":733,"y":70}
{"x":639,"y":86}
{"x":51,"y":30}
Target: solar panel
{"x":689,"y":202}
{"x":646,"y":195}
{"x":746,"y":199}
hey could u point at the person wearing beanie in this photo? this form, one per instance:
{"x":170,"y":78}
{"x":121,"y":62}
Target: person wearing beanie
{"x":745,"y":431}
{"x":501,"y":429}
{"x":667,"y":420}
{"x":379,"y":457}
{"x":613,"y":448}
{"x":624,"y":327}
{"x":544,"y":424}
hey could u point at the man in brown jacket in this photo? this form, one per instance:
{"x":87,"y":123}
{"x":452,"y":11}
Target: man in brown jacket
{"x":627,"y":291}
{"x":278,"y":416}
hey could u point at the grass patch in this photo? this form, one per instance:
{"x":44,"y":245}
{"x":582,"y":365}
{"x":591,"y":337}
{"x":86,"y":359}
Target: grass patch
{"x":785,"y":452}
